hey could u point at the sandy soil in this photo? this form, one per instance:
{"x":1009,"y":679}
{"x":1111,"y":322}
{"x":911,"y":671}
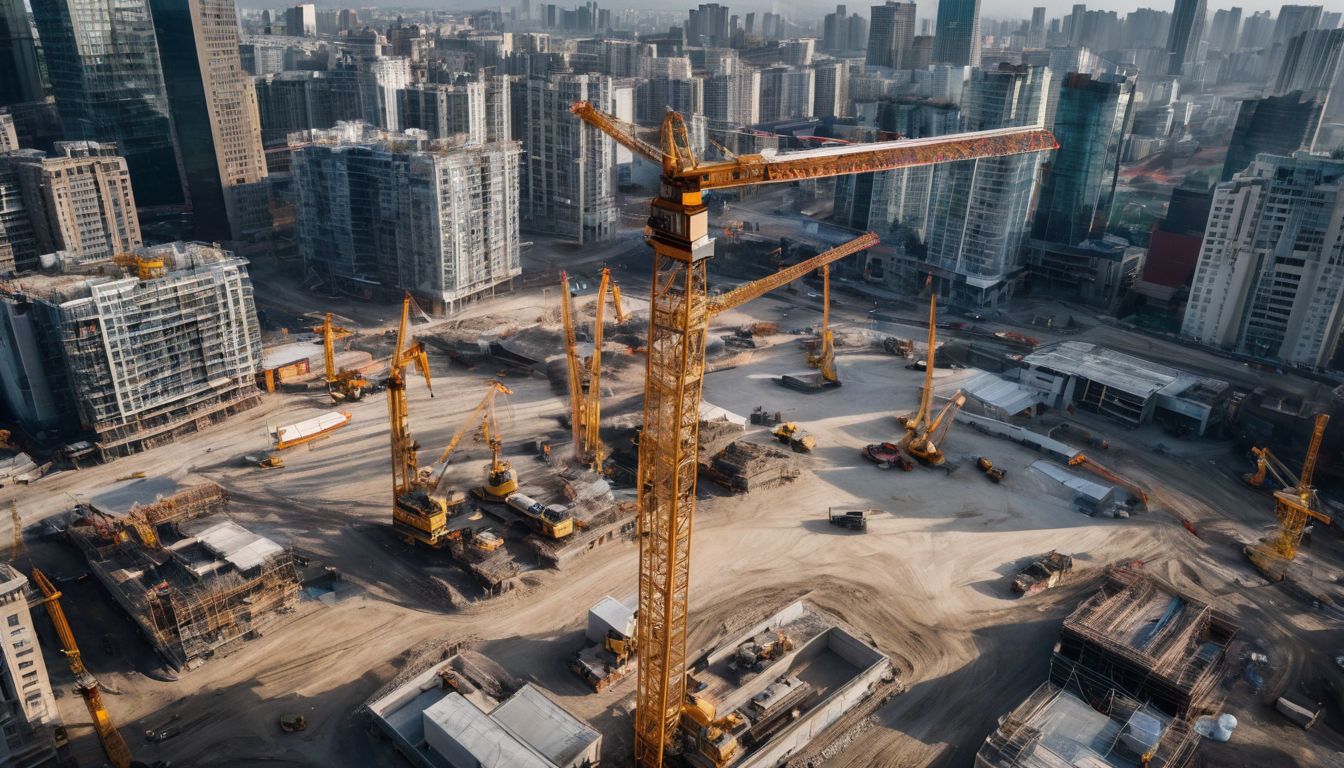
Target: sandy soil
{"x":928,"y":583}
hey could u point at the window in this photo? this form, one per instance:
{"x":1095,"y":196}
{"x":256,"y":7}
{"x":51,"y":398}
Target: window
{"x":25,"y":665}
{"x":14,"y":620}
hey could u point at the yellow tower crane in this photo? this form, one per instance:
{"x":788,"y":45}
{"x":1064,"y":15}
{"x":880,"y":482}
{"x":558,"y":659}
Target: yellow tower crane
{"x":1294,"y":507}
{"x":678,"y":232}
{"x":416,"y":514}
{"x":824,"y":358}
{"x":113,"y":744}
{"x":341,"y":385}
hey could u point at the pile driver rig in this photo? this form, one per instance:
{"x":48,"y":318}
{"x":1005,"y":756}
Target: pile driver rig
{"x":679,"y":311}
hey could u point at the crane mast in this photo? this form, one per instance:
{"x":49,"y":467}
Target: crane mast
{"x":1295,"y":507}
{"x":113,"y":744}
{"x":572,"y":368}
{"x":416,"y":514}
{"x":679,"y":312}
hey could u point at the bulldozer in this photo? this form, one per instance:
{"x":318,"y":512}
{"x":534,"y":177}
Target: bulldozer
{"x":795,"y":437}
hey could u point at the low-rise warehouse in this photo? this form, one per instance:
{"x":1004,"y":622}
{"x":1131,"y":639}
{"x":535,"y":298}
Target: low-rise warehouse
{"x":1126,"y":388}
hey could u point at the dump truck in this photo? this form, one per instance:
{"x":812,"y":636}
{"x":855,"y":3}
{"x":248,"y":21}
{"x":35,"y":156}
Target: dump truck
{"x":994,"y":473}
{"x":886,"y":456}
{"x":1044,"y":572}
{"x":853,"y":520}
{"x":795,"y":437}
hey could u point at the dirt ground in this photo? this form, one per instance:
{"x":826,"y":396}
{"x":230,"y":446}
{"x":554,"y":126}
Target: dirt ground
{"x":928,"y":583}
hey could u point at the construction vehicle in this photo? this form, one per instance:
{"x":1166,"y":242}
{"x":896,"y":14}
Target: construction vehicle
{"x":264,"y":460}
{"x":886,"y":456}
{"x":484,"y":539}
{"x":500,"y":480}
{"x":145,"y":267}
{"x":852,"y":520}
{"x":417,"y":514}
{"x":341,"y":385}
{"x":1295,"y":507}
{"x":924,"y":432}
{"x":680,"y":310}
{"x":1133,"y":489}
{"x":553,"y":522}
{"x":986,"y":465}
{"x":795,"y":437}
{"x":602,"y":666}
{"x":293,"y":723}
{"x":753,"y":656}
{"x":824,"y":358}
{"x":1042,"y":573}
{"x":114,"y":746}
{"x":714,"y":738}
{"x":899,"y":347}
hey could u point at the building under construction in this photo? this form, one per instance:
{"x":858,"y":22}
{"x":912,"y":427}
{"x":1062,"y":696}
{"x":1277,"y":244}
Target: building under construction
{"x":195,"y":582}
{"x":131,"y":353}
{"x":1147,"y":640}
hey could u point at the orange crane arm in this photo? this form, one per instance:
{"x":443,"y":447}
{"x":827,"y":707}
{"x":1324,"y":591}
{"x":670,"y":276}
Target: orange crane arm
{"x":118,"y":753}
{"x":680,"y":163}
{"x":472,"y":420}
{"x":1081,"y":460}
{"x":330,"y":333}
{"x":572,"y":367}
{"x":744,"y":293}
{"x":592,"y":410}
{"x":1313,"y":450}
{"x":616,"y":302}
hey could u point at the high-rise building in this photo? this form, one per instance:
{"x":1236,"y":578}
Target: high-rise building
{"x":103,"y":63}
{"x":79,"y":201}
{"x":444,"y":111}
{"x":1311,"y":62}
{"x":708,"y":25}
{"x":18,"y":245}
{"x":108,"y":338}
{"x":301,"y":20}
{"x":659,"y":94}
{"x":22,"y":81}
{"x":215,"y":115}
{"x":1036,"y":32}
{"x":957,"y":35}
{"x":9,"y":136}
{"x":1278,"y":125}
{"x":831,"y":96}
{"x":1187,"y":27}
{"x":408,"y":213}
{"x":787,"y":93}
{"x":26,"y":699}
{"x":980,"y":208}
{"x":299,"y":101}
{"x":568,"y":184}
{"x":891,"y":35}
{"x":1256,"y":31}
{"x":1090,"y":124}
{"x":835,"y":30}
{"x":1270,"y":278}
{"x":1225,"y":30}
{"x":734,"y":99}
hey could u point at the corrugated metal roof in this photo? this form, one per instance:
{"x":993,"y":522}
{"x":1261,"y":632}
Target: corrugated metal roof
{"x":488,"y":743}
{"x":545,"y":726}
{"x":242,"y":548}
{"x":1094,"y":491}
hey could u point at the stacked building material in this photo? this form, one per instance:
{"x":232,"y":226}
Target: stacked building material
{"x":715,"y":435}
{"x":1147,"y":639}
{"x":743,"y":466}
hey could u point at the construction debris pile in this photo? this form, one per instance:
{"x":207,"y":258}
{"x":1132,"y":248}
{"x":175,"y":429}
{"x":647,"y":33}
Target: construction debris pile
{"x":742,"y":466}
{"x":194,"y":581}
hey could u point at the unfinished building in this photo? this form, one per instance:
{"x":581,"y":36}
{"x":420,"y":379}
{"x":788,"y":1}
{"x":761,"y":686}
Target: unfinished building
{"x":395,"y":211}
{"x":1145,"y":639}
{"x":195,"y":582}
{"x":1058,"y":727}
{"x":134,"y":353}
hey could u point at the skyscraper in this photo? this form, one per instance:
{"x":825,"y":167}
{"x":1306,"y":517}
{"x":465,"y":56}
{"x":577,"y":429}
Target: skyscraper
{"x":103,"y":63}
{"x":979,"y":208}
{"x":568,"y":181}
{"x":301,"y":20}
{"x":22,"y":81}
{"x":214,"y":107}
{"x":957,"y":36}
{"x":1225,"y":30}
{"x":1187,"y":25}
{"x":1278,"y":125}
{"x":26,"y":700}
{"x":1270,"y":278}
{"x":891,"y":35}
{"x":1036,"y":32}
{"x":1090,"y":125}
{"x":1311,"y":62}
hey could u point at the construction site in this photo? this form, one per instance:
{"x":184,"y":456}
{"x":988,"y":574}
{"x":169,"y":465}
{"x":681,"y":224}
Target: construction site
{"x":758,"y":517}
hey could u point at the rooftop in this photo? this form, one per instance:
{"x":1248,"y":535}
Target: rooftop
{"x":1122,"y":371}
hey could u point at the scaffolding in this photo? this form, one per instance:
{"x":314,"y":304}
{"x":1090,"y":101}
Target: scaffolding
{"x":190,"y":603}
{"x":1146,"y":639}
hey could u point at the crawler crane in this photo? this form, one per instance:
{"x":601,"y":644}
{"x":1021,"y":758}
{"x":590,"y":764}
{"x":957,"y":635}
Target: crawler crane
{"x":416,"y":514}
{"x":824,"y":359}
{"x":594,"y":452}
{"x":572,"y":368}
{"x":923,"y":431}
{"x":500,"y":478}
{"x":678,"y":232}
{"x":1295,"y":507}
{"x":113,"y":744}
{"x":341,"y":385}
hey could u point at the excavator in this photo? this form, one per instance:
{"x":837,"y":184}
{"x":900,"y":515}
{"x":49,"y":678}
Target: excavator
{"x":417,"y":514}
{"x":341,"y":385}
{"x":118,"y":753}
{"x":1294,"y":506}
{"x":923,"y":432}
{"x":824,"y":358}
{"x":501,"y":480}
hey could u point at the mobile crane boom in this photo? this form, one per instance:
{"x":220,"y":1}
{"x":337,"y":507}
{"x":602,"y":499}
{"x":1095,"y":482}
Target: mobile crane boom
{"x":113,"y":744}
{"x":679,"y":312}
{"x":417,"y":515}
{"x":572,"y":368}
{"x":472,"y":421}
